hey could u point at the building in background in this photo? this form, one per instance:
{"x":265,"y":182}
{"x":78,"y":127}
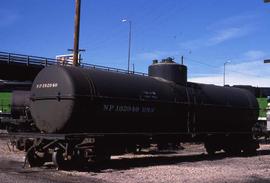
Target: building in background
{"x":67,"y":59}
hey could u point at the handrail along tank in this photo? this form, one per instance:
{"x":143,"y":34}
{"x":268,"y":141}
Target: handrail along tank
{"x":76,"y":100}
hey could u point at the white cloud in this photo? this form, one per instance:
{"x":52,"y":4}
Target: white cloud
{"x":233,"y":79}
{"x":224,"y":30}
{"x":257,"y":68}
{"x":254,"y":54}
{"x":216,"y":80}
{"x":240,"y":20}
{"x":227,"y":34}
{"x":254,"y":73}
{"x":218,"y":37}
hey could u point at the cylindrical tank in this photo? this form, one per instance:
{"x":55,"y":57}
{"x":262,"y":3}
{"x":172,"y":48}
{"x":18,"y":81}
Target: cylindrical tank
{"x":169,"y":70}
{"x":225,"y":109}
{"x":72,"y":99}
{"x":77,"y":100}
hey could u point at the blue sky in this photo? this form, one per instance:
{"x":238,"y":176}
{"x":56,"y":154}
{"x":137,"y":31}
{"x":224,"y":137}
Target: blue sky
{"x":208,"y":33}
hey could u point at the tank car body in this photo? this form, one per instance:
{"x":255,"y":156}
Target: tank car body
{"x":18,"y":117}
{"x":14,"y":98}
{"x":20,"y":101}
{"x":14,"y":103}
{"x":77,"y":100}
{"x":92,"y":113}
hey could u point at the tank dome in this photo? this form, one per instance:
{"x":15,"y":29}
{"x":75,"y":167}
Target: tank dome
{"x":169,"y":70}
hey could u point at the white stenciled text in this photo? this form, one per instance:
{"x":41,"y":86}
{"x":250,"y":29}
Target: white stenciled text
{"x":47,"y":85}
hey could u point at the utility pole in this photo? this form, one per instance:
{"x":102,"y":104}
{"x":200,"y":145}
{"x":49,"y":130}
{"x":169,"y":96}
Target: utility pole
{"x":77,"y":33}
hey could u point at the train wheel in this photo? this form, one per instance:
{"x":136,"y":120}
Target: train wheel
{"x":210,"y":149}
{"x":101,"y":154}
{"x":20,"y":144}
{"x":211,"y":145}
{"x":250,"y":148}
{"x":59,"y":160}
{"x":101,"y":158}
{"x":250,"y":152}
{"x":35,"y":159}
{"x":232,"y":150}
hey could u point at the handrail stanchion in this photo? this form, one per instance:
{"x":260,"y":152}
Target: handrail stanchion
{"x":9,"y":58}
{"x":28,"y":60}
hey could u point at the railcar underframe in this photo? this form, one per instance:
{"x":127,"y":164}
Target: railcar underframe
{"x":76,"y":150}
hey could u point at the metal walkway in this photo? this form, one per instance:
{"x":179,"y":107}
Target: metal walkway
{"x":25,"y":67}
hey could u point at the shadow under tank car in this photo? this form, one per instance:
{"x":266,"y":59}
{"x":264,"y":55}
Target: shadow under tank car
{"x":101,"y":112}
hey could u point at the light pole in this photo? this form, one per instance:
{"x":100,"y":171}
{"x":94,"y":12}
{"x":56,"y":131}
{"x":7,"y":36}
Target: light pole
{"x":224,"y":72}
{"x":129,"y":40}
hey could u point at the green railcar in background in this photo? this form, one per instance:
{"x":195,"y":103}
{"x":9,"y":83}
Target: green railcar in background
{"x":263,"y":107}
{"x":5,"y":102}
{"x":262,"y":127}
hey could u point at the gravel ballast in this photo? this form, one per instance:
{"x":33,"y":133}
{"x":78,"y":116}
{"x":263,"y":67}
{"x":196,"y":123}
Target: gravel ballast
{"x":188,"y":165}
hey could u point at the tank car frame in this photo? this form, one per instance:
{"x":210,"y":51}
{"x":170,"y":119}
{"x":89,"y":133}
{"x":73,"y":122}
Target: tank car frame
{"x":76,"y":150}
